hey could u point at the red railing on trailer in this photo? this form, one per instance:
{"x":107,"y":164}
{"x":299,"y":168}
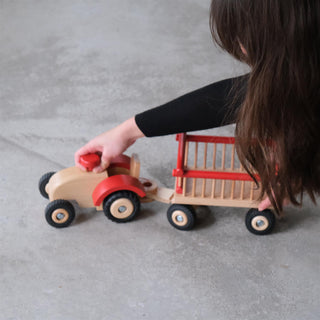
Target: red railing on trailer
{"x":182,"y":172}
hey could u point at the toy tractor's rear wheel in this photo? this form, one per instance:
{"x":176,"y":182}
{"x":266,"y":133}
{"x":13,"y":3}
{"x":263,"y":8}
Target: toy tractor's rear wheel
{"x":121,"y":206}
{"x":260,"y":222}
{"x":43,"y":182}
{"x":181,"y":217}
{"x":60,"y":213}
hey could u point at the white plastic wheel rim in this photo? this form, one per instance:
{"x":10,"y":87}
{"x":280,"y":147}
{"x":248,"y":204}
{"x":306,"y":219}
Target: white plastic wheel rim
{"x":57,"y":212}
{"x":121,"y":208}
{"x":179,"y":214}
{"x":263,"y":227}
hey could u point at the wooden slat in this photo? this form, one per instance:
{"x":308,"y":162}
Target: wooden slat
{"x":203,"y":188}
{"x":223,"y":157}
{"x":251,"y":191}
{"x":178,"y":198}
{"x":232,"y":189}
{"x":222,"y":188}
{"x":210,"y":139}
{"x":214,"y":156}
{"x":196,"y":155}
{"x":232,"y":157}
{"x":178,"y":181}
{"x":224,"y":175}
{"x":193,"y":192}
{"x":213,"y":188}
{"x":186,"y":154}
{"x":242,"y":190}
{"x":205,"y":156}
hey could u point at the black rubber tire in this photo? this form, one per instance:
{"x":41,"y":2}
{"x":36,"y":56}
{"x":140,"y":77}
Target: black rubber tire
{"x":268,"y":217}
{"x":127,"y":200}
{"x":67,"y":210}
{"x":43,"y":182}
{"x":188,"y":219}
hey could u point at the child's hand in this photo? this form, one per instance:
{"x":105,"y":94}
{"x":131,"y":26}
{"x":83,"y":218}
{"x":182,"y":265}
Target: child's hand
{"x":110,"y":144}
{"x":266,"y":203}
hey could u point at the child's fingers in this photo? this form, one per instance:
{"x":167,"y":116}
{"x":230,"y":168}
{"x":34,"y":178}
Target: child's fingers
{"x":264,"y":204}
{"x":104,"y":164}
{"x":79,"y":153}
{"x":77,"y":160}
{"x":100,"y":168}
{"x":85,"y":150}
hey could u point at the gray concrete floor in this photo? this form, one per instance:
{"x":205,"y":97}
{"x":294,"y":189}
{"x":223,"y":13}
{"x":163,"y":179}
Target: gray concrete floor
{"x":73,"y":69}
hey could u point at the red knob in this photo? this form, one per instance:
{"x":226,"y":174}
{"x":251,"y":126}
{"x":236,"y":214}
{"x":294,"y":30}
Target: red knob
{"x":90,"y":161}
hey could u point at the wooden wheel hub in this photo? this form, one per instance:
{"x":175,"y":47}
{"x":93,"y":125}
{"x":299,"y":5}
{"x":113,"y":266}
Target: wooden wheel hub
{"x":121,"y":208}
{"x":179,"y":218}
{"x":260,"y":223}
{"x":60,"y":215}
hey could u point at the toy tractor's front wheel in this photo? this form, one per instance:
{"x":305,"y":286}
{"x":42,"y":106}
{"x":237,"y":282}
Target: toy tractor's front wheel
{"x":260,"y":222}
{"x":60,"y":213}
{"x":181,"y":217}
{"x":43,"y":182}
{"x":121,"y":206}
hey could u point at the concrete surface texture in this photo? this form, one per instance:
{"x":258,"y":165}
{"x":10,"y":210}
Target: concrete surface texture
{"x":73,"y":69}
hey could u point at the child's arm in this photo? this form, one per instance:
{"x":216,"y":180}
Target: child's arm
{"x":212,"y":106}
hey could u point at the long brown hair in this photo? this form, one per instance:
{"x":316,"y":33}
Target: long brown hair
{"x":278,"y":124}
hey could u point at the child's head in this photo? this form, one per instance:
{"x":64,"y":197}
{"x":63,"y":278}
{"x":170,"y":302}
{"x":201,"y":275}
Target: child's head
{"x":281,"y":42}
{"x":264,"y":27}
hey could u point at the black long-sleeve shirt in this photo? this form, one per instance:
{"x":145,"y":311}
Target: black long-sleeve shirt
{"x":212,"y":106}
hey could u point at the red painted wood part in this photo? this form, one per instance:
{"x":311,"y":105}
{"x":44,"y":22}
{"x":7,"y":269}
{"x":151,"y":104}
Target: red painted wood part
{"x":121,"y":161}
{"x":90,"y":161}
{"x":199,"y":174}
{"x":181,"y":172}
{"x":117,"y":183}
{"x":181,"y":137}
{"x":208,"y":139}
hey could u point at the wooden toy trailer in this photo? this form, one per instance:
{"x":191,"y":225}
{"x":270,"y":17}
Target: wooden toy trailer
{"x":212,"y":178}
{"x":209,"y":173}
